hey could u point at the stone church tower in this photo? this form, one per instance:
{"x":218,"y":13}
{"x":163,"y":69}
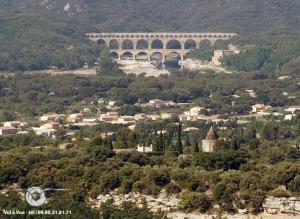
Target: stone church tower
{"x":209,"y":142}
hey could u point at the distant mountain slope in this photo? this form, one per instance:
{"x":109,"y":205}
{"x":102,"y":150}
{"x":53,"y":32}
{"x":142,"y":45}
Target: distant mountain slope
{"x":243,"y":16}
{"x":29,"y":38}
{"x":48,"y":25}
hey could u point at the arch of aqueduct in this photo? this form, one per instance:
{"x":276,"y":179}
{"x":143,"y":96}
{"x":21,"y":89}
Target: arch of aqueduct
{"x":155,"y":46}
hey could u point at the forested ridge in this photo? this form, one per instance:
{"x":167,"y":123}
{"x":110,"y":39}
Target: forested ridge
{"x":34,"y":34}
{"x":240,"y":16}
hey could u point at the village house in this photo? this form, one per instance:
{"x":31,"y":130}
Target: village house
{"x":132,"y":127}
{"x":106,"y":134}
{"x":66,"y":146}
{"x":183,"y":118}
{"x":100,"y":101}
{"x":182,"y":104}
{"x":7,"y":131}
{"x":195,"y":111}
{"x":277,"y":114}
{"x":23,"y":132}
{"x":126,"y":120}
{"x":169,"y":116}
{"x":190,"y":118}
{"x":260,"y":108}
{"x":161,"y":132}
{"x":284,"y":77}
{"x":263,"y":113}
{"x":251,"y":93}
{"x":50,"y":118}
{"x":86,"y":110}
{"x":113,"y":108}
{"x":51,"y":125}
{"x":111,"y":103}
{"x":70,"y":134}
{"x":90,"y":120}
{"x":217,"y":121}
{"x":190,"y":129}
{"x":141,"y":117}
{"x":194,"y":118}
{"x":111,"y":117}
{"x":289,"y":117}
{"x":75,"y":118}
{"x":154,"y":117}
{"x":292,"y":109}
{"x":242,"y":122}
{"x":16,"y":124}
{"x":144,"y":149}
{"x":156,"y":103}
{"x":192,"y":114}
{"x":45,"y":132}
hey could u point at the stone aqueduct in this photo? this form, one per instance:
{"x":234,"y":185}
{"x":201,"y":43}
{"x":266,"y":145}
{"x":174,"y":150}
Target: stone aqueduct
{"x":155,"y":46}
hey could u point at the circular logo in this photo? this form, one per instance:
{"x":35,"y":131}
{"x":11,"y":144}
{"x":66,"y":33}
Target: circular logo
{"x":35,"y":196}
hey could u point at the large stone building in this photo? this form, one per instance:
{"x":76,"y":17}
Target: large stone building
{"x":209,"y":142}
{"x":219,"y":54}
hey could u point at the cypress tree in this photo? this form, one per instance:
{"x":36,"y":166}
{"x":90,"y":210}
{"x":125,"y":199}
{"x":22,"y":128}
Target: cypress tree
{"x":187,"y":141}
{"x":157,"y":145}
{"x":149,"y":142}
{"x":169,"y":140}
{"x":179,"y":142}
{"x":111,"y":144}
{"x":161,"y":141}
{"x":196,"y":147}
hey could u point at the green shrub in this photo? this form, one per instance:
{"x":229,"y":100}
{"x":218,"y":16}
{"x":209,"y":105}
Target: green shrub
{"x":159,"y":177}
{"x":109,"y":181}
{"x":126,"y":186}
{"x":194,"y":184}
{"x":139,"y":186}
{"x":195,"y":201}
{"x":294,"y":185}
{"x":173,"y":188}
{"x":95,"y":191}
{"x":257,"y":199}
{"x":280,"y":193}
